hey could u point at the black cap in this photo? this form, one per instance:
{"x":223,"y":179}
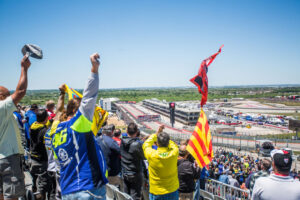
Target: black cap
{"x":282,"y":159}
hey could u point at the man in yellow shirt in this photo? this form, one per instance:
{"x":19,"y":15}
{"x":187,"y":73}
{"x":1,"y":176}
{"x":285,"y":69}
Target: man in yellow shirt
{"x":163,"y":174}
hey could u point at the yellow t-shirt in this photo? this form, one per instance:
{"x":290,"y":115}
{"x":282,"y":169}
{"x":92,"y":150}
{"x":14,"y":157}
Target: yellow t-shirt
{"x":163,"y":174}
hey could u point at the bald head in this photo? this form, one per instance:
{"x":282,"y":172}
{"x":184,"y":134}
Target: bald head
{"x":4,"y":93}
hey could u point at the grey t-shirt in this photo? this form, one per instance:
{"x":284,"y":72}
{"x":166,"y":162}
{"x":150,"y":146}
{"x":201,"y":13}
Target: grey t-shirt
{"x":10,"y":138}
{"x":276,"y":188}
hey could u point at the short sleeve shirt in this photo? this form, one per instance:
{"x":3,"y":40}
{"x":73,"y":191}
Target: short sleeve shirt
{"x":10,"y":138}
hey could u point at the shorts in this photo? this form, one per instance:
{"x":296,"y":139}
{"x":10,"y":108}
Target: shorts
{"x":12,"y":183}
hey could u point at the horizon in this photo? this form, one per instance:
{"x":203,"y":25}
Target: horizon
{"x":188,"y":87}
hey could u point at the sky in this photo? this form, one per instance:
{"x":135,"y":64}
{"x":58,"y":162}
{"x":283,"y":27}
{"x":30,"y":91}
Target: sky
{"x":157,"y":43}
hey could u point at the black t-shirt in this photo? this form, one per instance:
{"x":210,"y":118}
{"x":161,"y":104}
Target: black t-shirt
{"x":37,"y":143}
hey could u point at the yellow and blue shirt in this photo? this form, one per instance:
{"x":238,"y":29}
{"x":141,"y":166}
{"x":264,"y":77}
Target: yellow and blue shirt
{"x":81,"y":160}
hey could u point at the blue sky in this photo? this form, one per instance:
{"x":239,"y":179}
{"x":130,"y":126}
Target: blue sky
{"x":151,"y":43}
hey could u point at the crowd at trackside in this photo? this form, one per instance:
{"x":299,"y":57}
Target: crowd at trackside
{"x":67,"y":161}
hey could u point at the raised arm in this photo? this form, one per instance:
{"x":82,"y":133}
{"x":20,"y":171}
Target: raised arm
{"x":61,"y":99}
{"x":90,"y":92}
{"x":22,"y":85}
{"x":147,"y":146}
{"x":60,"y":102}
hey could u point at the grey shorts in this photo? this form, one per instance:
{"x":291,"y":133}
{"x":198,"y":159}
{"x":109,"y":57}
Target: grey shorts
{"x":12,"y":183}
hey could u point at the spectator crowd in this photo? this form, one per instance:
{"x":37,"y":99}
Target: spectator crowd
{"x":66,"y":160}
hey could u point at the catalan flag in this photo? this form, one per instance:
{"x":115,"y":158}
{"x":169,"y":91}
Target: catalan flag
{"x":200,"y":143}
{"x":100,"y":115}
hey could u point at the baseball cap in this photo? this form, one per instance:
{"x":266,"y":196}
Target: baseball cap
{"x":282,"y":159}
{"x":33,"y":51}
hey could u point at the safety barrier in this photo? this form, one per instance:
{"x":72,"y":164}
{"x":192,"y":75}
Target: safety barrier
{"x":113,"y":193}
{"x":224,"y":191}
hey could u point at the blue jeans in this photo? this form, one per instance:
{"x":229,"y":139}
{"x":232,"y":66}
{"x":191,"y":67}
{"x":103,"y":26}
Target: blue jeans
{"x":197,"y":190}
{"x":170,"y":196}
{"x":94,"y":194}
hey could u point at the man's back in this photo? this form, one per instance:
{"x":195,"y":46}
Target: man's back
{"x":233,"y":181}
{"x":224,"y":179}
{"x":30,"y":117}
{"x":10,"y":138}
{"x":111,"y":151}
{"x":276,"y":188}
{"x":132,"y":155}
{"x":187,"y":173}
{"x":163,"y":174}
{"x":37,"y":142}
{"x":81,"y":160}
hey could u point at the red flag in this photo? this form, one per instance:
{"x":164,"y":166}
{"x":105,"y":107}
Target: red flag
{"x":200,"y":80}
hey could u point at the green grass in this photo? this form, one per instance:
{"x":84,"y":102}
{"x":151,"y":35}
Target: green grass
{"x":279,"y":136}
{"x":262,"y":94}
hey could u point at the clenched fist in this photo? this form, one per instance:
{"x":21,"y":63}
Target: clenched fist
{"x":95,"y":62}
{"x":25,"y":63}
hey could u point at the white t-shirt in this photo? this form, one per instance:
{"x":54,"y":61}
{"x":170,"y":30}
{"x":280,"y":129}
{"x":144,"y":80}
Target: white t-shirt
{"x":276,"y":188}
{"x":10,"y":138}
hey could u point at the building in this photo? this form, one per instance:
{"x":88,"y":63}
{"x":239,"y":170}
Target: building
{"x":108,"y":104}
{"x":186,"y":113}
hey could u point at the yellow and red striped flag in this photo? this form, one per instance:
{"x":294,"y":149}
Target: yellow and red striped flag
{"x":73,"y":94}
{"x":200,"y":143}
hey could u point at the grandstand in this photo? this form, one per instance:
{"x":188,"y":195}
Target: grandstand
{"x":187,"y":116}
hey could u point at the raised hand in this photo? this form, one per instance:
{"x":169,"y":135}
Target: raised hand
{"x":160,"y":129}
{"x":62,"y":88}
{"x":95,"y":62}
{"x":25,"y":62}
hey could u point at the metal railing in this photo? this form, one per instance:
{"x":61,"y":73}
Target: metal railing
{"x":113,"y":193}
{"x":226,"y":191}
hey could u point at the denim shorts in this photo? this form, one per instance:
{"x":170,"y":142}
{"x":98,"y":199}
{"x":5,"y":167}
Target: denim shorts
{"x":170,"y":196}
{"x":94,"y":194}
{"x":12,"y":183}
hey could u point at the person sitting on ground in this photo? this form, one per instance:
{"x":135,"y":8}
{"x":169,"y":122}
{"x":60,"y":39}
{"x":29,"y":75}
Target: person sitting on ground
{"x":117,"y":136}
{"x":163,"y":173}
{"x":187,"y":173}
{"x":12,"y":185}
{"x":112,"y":154}
{"x":132,"y":158}
{"x":39,"y":158}
{"x":50,"y":105}
{"x":264,"y":172}
{"x":279,"y":185}
{"x":83,"y":167}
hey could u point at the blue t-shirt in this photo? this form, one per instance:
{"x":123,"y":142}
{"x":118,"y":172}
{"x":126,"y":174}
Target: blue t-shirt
{"x":30,"y":116}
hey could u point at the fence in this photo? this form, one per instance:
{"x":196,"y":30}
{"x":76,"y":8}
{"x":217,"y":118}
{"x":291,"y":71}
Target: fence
{"x":113,"y":193}
{"x":224,"y":191}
